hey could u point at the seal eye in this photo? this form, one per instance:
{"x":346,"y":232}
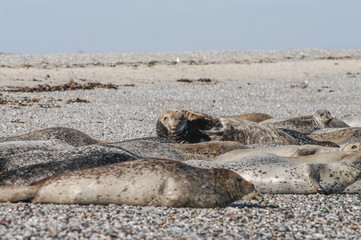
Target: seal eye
{"x":165,"y":118}
{"x":354,"y":147}
{"x":322,"y":114}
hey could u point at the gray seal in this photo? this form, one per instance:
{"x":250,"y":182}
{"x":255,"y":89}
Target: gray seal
{"x":189,"y":127}
{"x":321,"y":119}
{"x":273,"y":174}
{"x":71,"y":136}
{"x":141,"y":182}
{"x":31,"y":173}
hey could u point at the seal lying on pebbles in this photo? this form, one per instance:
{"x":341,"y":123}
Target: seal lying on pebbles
{"x":11,"y":162}
{"x":320,"y":119}
{"x":208,"y":149}
{"x":188,"y":127}
{"x":150,"y":149}
{"x":71,"y":136}
{"x":302,"y":138}
{"x":32,"y":173}
{"x":140,"y":182}
{"x":337,"y":135}
{"x":273,"y":174}
{"x":328,"y":157}
{"x":283,"y":151}
{"x":15,"y":147}
{"x":253,"y":117}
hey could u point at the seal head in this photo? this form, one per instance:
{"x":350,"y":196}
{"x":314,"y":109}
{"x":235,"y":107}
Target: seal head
{"x":323,"y":118}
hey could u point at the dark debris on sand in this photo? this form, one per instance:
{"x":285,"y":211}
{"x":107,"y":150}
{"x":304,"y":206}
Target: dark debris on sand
{"x":63,"y":87}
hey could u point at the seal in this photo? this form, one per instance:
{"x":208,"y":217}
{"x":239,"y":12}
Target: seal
{"x":352,"y":144}
{"x":36,"y":172}
{"x":71,"y":136}
{"x":320,"y":119}
{"x":151,"y":149}
{"x":36,"y":156}
{"x":337,"y":135}
{"x":283,"y":151}
{"x":207,"y":149}
{"x":140,"y":182}
{"x":16,"y":147}
{"x":328,"y":157}
{"x":189,"y":127}
{"x":273,"y":174}
{"x":253,"y":117}
{"x":303,"y":138}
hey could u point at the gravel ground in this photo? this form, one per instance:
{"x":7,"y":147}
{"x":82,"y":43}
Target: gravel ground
{"x":131,"y":112}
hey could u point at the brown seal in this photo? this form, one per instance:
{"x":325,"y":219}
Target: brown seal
{"x":190,"y":127}
{"x":253,"y":117}
{"x":337,"y":135}
{"x":208,"y":149}
{"x":141,"y":182}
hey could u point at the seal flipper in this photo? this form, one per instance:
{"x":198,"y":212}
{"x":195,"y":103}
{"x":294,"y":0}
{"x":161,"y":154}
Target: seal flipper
{"x":313,"y":177}
{"x":17,"y":193}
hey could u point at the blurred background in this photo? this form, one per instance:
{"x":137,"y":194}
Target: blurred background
{"x":69,"y":26}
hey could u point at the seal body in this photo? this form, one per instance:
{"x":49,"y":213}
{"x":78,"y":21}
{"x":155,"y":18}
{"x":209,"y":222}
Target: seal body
{"x":253,"y":117}
{"x":208,"y":149}
{"x":321,"y":119}
{"x":337,"y":135}
{"x":273,"y":174}
{"x":141,"y":182}
{"x":283,"y":151}
{"x":36,"y":172}
{"x":188,"y":127}
{"x":16,"y":147}
{"x":71,"y":136}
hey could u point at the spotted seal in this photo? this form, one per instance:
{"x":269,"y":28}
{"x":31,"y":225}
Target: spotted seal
{"x":320,"y":119}
{"x":17,"y":154}
{"x":16,"y":147}
{"x":337,"y":135}
{"x":36,"y":172}
{"x":71,"y":136}
{"x":141,"y":182}
{"x":328,"y":157}
{"x":352,"y":144}
{"x":36,"y":156}
{"x":207,"y":149}
{"x":273,"y":174}
{"x":189,"y":127}
{"x":283,"y":151}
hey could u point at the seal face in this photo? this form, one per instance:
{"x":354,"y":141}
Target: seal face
{"x":323,"y":118}
{"x":140,"y":182}
{"x":189,"y":127}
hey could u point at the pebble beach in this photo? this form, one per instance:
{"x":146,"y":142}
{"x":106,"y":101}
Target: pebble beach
{"x":146,"y":84}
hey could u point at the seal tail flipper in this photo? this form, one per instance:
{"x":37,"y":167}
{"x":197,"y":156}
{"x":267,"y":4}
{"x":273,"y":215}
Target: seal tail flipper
{"x":17,"y":193}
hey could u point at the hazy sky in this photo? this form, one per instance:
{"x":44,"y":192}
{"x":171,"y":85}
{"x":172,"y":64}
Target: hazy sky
{"x":67,"y":26}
